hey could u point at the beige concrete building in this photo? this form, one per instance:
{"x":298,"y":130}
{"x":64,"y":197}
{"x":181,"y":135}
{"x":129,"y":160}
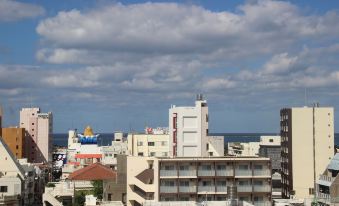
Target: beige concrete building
{"x":14,"y":137}
{"x":149,"y":144}
{"x":39,"y":130}
{"x":307,"y":145}
{"x":188,"y":132}
{"x":198,"y":179}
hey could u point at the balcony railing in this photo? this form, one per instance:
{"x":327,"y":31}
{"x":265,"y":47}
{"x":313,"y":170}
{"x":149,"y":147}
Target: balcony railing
{"x":262,"y":203}
{"x":261,"y":188}
{"x":323,"y":195}
{"x":227,"y":172}
{"x":244,"y":188}
{"x":264,"y":172}
{"x":168,"y":189}
{"x":206,"y":172}
{"x":243,"y":172}
{"x":190,"y":189}
{"x":187,"y":173}
{"x":206,"y":188}
{"x":166,"y":173}
{"x":326,"y":178}
{"x":222,"y":188}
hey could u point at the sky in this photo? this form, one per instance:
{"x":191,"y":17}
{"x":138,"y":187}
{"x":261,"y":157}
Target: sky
{"x":121,"y":65}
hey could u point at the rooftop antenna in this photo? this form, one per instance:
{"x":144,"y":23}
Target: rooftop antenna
{"x":305,"y":97}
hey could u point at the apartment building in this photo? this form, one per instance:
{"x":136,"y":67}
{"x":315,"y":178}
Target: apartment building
{"x":154,"y":142}
{"x":328,"y":184}
{"x":269,"y":146}
{"x":188,"y":132}
{"x":14,"y":138}
{"x":243,"y":148}
{"x":198,"y":179}
{"x":38,"y":135}
{"x":307,"y":146}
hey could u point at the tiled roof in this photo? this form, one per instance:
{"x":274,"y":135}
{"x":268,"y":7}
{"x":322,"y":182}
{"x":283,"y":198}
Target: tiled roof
{"x":83,"y":156}
{"x":95,"y":171}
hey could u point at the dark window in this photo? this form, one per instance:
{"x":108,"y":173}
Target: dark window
{"x":151,"y":144}
{"x":140,"y":154}
{"x":271,"y":140}
{"x":206,"y":131}
{"x":207,"y":146}
{"x":3,"y":188}
{"x":109,"y":197}
{"x":206,"y":117}
{"x":17,"y":147}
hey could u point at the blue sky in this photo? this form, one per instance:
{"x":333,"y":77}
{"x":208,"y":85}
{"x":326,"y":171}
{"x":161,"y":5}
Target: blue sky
{"x":120,"y":65}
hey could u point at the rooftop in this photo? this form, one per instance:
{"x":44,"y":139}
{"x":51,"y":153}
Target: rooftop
{"x":95,"y":171}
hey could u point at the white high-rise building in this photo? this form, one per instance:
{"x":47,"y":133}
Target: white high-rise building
{"x":188,"y":132}
{"x":39,"y":131}
{"x":307,"y":146}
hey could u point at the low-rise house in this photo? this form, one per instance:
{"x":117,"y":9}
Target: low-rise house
{"x":327,"y":188}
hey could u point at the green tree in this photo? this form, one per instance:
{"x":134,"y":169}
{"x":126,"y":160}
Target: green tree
{"x":98,"y":188}
{"x":79,"y":198}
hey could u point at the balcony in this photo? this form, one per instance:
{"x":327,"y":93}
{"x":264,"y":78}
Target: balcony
{"x":262,"y":203}
{"x":263,"y":172}
{"x":326,"y":178}
{"x":206,"y":173}
{"x":168,"y":189}
{"x":226,"y":172}
{"x":188,"y":189}
{"x":323,"y":196}
{"x":221,"y":188}
{"x":206,"y":189}
{"x":243,"y":172}
{"x":244,"y":188}
{"x":168,"y":173}
{"x":261,"y":188}
{"x":186,"y":173}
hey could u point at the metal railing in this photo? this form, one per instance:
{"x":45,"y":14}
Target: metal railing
{"x":187,"y":173}
{"x":262,"y":203}
{"x":188,"y":189}
{"x":261,"y":188}
{"x":168,"y":173}
{"x":168,"y":189}
{"x":244,"y":188}
{"x":326,"y":178}
{"x":226,"y":172}
{"x":243,"y":172}
{"x":206,"y":172}
{"x":206,"y":188}
{"x":222,"y":188}
{"x":263,"y":172}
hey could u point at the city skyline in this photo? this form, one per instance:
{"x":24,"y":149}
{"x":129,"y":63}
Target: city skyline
{"x":121,"y":65}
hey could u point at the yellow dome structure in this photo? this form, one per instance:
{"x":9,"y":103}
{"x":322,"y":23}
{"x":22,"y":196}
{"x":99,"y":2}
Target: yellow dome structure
{"x":88,"y":132}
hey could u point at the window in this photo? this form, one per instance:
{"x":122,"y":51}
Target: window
{"x":168,"y":183}
{"x":221,"y":167}
{"x":184,"y":183}
{"x":164,"y":154}
{"x":109,"y":197}
{"x":206,"y":167}
{"x":206,"y":131}
{"x":258,"y":167}
{"x":258,"y":182}
{"x":207,"y":146}
{"x":210,"y":154}
{"x":150,"y":143}
{"x":184,"y":167}
{"x":3,"y":188}
{"x":311,"y":191}
{"x":17,"y":147}
{"x":206,"y":117}
{"x":139,"y":143}
{"x":152,"y":154}
{"x":32,"y":123}
{"x":243,"y":167}
{"x":169,"y":167}
{"x":206,"y":183}
{"x":140,"y":154}
{"x":163,"y":143}
{"x":271,"y":140}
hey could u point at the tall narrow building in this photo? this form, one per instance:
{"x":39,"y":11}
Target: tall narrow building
{"x":188,"y":132}
{"x":38,"y":137}
{"x":307,"y":141}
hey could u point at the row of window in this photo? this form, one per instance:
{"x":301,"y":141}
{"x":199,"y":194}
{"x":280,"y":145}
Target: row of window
{"x":153,"y":154}
{"x":209,"y":167}
{"x":186,"y":183}
{"x":160,"y":143}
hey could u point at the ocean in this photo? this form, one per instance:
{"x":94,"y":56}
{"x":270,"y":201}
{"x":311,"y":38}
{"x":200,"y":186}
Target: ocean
{"x":106,"y":138}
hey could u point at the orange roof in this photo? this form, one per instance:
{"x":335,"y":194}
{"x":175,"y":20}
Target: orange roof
{"x":95,"y":171}
{"x":81,"y":156}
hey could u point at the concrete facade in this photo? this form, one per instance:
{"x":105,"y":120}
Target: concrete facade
{"x":38,"y":137}
{"x":197,"y":179}
{"x":188,"y":131}
{"x":15,"y":138}
{"x":269,"y":146}
{"x":307,"y":146}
